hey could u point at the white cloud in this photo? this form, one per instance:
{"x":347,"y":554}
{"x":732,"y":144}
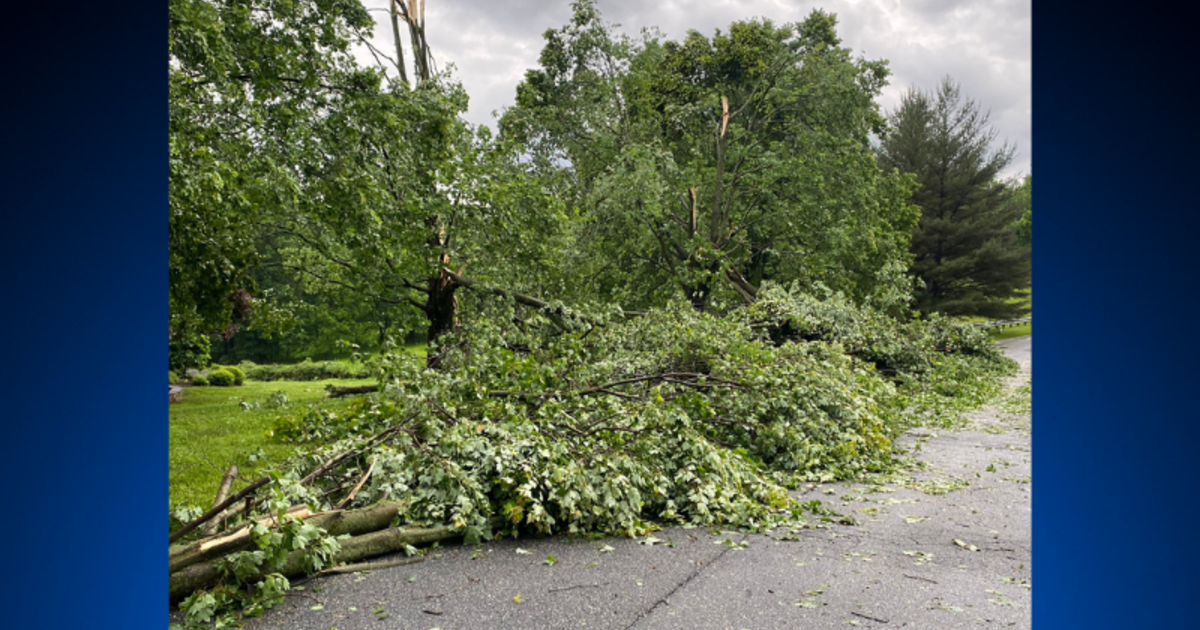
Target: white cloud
{"x":983,"y":44}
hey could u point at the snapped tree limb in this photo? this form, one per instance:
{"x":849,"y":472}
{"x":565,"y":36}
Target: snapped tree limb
{"x":367,"y":545}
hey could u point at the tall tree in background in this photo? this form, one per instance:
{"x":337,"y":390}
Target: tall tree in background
{"x":1023,"y":198}
{"x":965,"y":247}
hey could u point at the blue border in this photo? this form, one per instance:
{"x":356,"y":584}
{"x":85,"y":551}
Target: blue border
{"x":84,"y":316}
{"x":1117,"y":357}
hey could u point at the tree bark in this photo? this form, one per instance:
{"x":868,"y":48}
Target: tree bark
{"x":353,"y":522}
{"x":396,"y":39}
{"x":210,"y":527}
{"x":442,"y":311}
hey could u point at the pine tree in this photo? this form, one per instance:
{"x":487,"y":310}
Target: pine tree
{"x":965,"y":246}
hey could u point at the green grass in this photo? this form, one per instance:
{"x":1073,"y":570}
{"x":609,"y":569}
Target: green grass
{"x":1011,"y":331}
{"x":210,"y":431}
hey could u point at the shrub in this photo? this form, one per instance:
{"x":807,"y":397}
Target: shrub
{"x":200,"y":380}
{"x":221,"y":377}
{"x":239,"y":376}
{"x":171,"y":378}
{"x":307,"y":370}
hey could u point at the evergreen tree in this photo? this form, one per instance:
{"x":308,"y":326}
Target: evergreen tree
{"x":965,"y":247}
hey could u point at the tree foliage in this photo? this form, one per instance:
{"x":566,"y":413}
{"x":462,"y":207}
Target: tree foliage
{"x":677,"y":416}
{"x":709,"y":165}
{"x":248,"y":82}
{"x":1022,"y":198}
{"x":965,"y":249}
{"x":287,"y":152}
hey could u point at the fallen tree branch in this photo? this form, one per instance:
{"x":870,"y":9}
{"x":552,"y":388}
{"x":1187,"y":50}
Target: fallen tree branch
{"x":668,"y":377}
{"x":336,"y":523}
{"x":209,"y":573}
{"x":210,"y":527}
{"x":555,"y":314}
{"x":181,"y":556}
{"x":329,"y":465}
{"x":217,"y":509}
{"x":333,"y":391}
{"x":371,"y":566}
{"x":858,"y":614}
{"x":357,"y":486}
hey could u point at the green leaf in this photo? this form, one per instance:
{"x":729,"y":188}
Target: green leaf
{"x":964,"y":545}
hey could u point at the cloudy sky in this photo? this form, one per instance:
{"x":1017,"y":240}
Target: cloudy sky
{"x":984,"y":44}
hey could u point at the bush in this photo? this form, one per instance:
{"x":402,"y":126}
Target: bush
{"x":307,"y":370}
{"x":221,"y":377}
{"x":200,"y":380}
{"x":239,"y":376}
{"x":171,"y":378}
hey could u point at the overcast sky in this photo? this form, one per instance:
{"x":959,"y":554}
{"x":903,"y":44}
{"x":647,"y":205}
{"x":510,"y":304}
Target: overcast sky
{"x":983,"y":44}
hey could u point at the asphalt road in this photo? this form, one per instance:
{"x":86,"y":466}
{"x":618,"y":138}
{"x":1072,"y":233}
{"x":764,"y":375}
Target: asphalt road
{"x":943,"y":548}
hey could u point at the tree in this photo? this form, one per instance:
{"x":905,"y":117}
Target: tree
{"x":1023,"y":197}
{"x":965,"y":249}
{"x":247,"y":82}
{"x":708,"y":166}
{"x":285,"y":150}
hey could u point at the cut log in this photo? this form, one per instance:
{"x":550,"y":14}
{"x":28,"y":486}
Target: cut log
{"x":207,"y":574}
{"x":353,"y":522}
{"x":333,"y":391}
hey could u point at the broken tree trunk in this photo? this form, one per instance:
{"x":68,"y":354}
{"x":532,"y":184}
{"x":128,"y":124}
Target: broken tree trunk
{"x":207,"y":574}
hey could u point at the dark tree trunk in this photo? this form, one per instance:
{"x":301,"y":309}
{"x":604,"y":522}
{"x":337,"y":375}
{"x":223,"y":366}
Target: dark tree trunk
{"x":698,"y":296}
{"x":442,"y":311}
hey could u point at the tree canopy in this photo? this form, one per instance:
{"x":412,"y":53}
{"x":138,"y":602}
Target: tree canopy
{"x":286,"y":152}
{"x":710,"y":165}
{"x":248,"y":82}
{"x":965,"y":247}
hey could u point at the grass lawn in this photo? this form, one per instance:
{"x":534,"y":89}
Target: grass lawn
{"x":210,"y":431}
{"x":1011,"y":331}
